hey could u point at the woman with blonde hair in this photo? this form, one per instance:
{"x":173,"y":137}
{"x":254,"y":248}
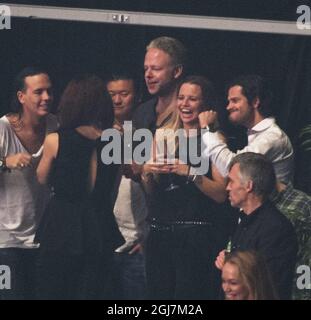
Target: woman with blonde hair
{"x":187,"y":218}
{"x":245,"y":276}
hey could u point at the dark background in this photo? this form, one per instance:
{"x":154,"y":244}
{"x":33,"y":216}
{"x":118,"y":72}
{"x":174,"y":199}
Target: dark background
{"x":67,"y":48}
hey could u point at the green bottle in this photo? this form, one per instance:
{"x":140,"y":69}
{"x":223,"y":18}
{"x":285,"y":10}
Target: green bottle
{"x":229,"y":246}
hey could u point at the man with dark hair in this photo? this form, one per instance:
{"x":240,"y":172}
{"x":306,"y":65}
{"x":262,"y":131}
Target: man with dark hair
{"x":254,"y":86}
{"x":164,"y":64}
{"x":262,"y":227}
{"x":22,"y":199}
{"x":124,"y":92}
{"x":249,"y":105}
{"x":130,"y":208}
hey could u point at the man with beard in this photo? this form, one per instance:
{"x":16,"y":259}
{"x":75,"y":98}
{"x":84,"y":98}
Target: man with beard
{"x":249,"y":102}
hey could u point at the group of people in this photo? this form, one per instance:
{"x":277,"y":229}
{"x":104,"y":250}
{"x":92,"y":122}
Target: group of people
{"x":73,"y":227}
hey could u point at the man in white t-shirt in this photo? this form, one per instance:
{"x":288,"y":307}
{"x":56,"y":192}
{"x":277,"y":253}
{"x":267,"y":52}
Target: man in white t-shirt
{"x":249,"y":102}
{"x":130,"y":207}
{"x":22,"y":199}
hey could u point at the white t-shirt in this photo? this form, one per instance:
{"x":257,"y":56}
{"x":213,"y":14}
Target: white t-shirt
{"x":130,"y":211}
{"x":22,"y":198}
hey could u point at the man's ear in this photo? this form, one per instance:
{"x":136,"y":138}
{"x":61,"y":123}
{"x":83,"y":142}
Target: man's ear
{"x":256,"y":103}
{"x":20,"y":96}
{"x":249,"y":186}
{"x":178,"y":71}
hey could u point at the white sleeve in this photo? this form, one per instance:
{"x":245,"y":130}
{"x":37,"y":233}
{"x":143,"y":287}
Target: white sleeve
{"x":267,"y":143}
{"x":3,"y":139}
{"x":217,"y":151}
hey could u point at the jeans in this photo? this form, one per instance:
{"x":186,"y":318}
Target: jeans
{"x":129,"y":276}
{"x":22,"y":264}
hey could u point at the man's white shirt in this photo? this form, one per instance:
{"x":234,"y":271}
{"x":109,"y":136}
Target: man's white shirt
{"x":266,"y":138}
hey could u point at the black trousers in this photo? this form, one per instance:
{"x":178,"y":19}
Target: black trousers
{"x":180,"y":263}
{"x":72,"y":277}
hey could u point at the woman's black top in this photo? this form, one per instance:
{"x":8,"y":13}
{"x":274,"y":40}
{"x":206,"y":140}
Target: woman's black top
{"x":77,"y":221}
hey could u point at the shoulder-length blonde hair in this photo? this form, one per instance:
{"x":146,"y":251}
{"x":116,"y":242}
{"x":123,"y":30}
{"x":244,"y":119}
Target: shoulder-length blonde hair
{"x":254,"y":273}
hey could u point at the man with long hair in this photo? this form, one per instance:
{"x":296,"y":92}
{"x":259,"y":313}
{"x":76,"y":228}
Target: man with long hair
{"x":22,"y":199}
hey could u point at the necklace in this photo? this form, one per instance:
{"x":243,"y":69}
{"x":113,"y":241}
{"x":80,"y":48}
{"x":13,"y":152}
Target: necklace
{"x":16,"y":122}
{"x":18,"y":125}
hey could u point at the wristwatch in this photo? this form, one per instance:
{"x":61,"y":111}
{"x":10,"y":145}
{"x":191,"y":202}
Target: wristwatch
{"x":195,"y":178}
{"x":3,"y":166}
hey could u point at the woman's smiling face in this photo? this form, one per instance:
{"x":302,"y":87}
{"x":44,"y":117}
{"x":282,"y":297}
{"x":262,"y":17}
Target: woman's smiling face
{"x":232,"y":283}
{"x":189,"y":103}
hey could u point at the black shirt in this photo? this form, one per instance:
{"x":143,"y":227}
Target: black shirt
{"x":268,"y":231}
{"x":187,"y":202}
{"x":145,"y":115}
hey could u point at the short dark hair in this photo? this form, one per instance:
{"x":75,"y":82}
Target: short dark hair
{"x":255,"y":86}
{"x":122,"y":76}
{"x":85,"y":101}
{"x":210,"y":99}
{"x":127,"y":75}
{"x":20,"y":85}
{"x":259,"y":169}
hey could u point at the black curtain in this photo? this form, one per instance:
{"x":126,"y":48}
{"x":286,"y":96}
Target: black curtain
{"x":295,"y":102}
